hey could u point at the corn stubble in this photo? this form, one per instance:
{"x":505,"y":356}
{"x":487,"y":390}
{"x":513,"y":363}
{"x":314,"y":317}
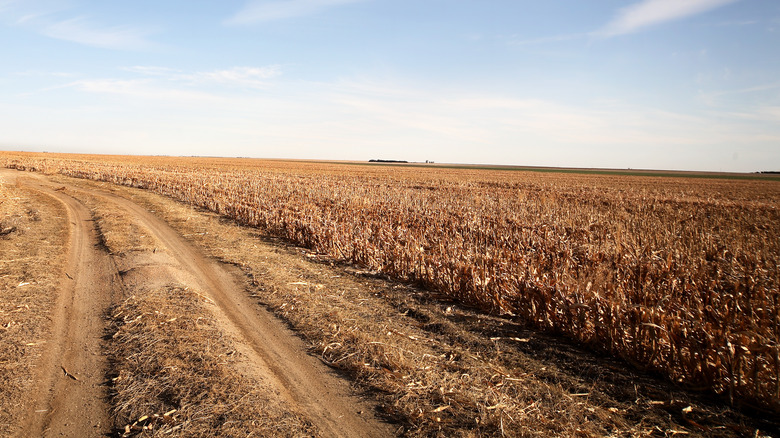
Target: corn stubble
{"x":680,"y":276}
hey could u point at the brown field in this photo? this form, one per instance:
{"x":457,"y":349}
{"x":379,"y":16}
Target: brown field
{"x":673,"y":276}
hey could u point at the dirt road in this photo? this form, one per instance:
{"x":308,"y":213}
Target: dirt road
{"x":277,"y":355}
{"x":71,"y":394}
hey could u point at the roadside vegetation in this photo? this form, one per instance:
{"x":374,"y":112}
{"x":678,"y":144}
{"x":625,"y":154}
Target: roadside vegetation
{"x":33,"y":234}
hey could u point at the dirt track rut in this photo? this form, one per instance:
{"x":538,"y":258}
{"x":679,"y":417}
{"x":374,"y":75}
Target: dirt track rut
{"x":69,"y":407}
{"x":70,"y":394}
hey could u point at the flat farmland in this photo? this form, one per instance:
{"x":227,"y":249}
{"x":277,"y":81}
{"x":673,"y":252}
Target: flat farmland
{"x":458,"y":300}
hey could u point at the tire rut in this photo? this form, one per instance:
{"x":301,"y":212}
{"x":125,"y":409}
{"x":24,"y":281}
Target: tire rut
{"x":276,"y":354}
{"x":70,"y":393}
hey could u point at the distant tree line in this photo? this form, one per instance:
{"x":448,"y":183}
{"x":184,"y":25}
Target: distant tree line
{"x":387,"y":161}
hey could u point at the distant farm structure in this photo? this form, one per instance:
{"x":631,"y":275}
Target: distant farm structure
{"x":387,"y":161}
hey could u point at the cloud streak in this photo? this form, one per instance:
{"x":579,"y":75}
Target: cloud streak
{"x":242,"y":77}
{"x":649,"y":13}
{"x":257,"y":11}
{"x":147,"y":90}
{"x":52,"y":21}
{"x":79,"y":30}
{"x":349,"y":117}
{"x":253,"y":77}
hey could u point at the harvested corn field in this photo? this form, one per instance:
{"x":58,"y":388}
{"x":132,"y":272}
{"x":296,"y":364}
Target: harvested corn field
{"x":675,"y":275}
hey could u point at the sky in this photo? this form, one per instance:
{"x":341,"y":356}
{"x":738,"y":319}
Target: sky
{"x":643,"y":84}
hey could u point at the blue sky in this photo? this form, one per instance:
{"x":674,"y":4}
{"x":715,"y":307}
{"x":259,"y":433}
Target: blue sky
{"x":662,"y":84}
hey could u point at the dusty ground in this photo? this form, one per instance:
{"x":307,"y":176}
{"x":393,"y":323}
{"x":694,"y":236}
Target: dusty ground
{"x":191,"y":343}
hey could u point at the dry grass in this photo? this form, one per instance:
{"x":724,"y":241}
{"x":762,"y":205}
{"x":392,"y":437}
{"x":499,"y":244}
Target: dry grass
{"x":176,"y":369}
{"x":31,"y":260}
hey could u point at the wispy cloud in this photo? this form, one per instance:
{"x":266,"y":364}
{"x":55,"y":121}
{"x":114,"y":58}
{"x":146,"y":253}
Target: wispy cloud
{"x":638,"y":16}
{"x":256,"y":11}
{"x":147,"y":90}
{"x":254,"y":77}
{"x":55,"y":21}
{"x":352,"y":117}
{"x":737,"y":23}
{"x":152,"y":70}
{"x":753,"y":89}
{"x":761,"y":114}
{"x":648,"y":13}
{"x":80,"y":30}
{"x":480,"y":120}
{"x":43,"y":73}
{"x":243,"y":77}
{"x":712,"y":98}
{"x":430,"y":116}
{"x":223,"y":88}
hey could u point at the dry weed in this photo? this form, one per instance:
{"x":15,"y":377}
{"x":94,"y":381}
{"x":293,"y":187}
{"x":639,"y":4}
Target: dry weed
{"x":31,"y":259}
{"x":175,"y":375}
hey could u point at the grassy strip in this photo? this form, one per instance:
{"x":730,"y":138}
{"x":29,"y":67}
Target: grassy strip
{"x":175,"y":374}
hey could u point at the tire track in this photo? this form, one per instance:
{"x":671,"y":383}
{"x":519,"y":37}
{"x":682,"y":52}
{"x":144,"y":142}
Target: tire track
{"x":277,"y":355}
{"x":70,"y":394}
